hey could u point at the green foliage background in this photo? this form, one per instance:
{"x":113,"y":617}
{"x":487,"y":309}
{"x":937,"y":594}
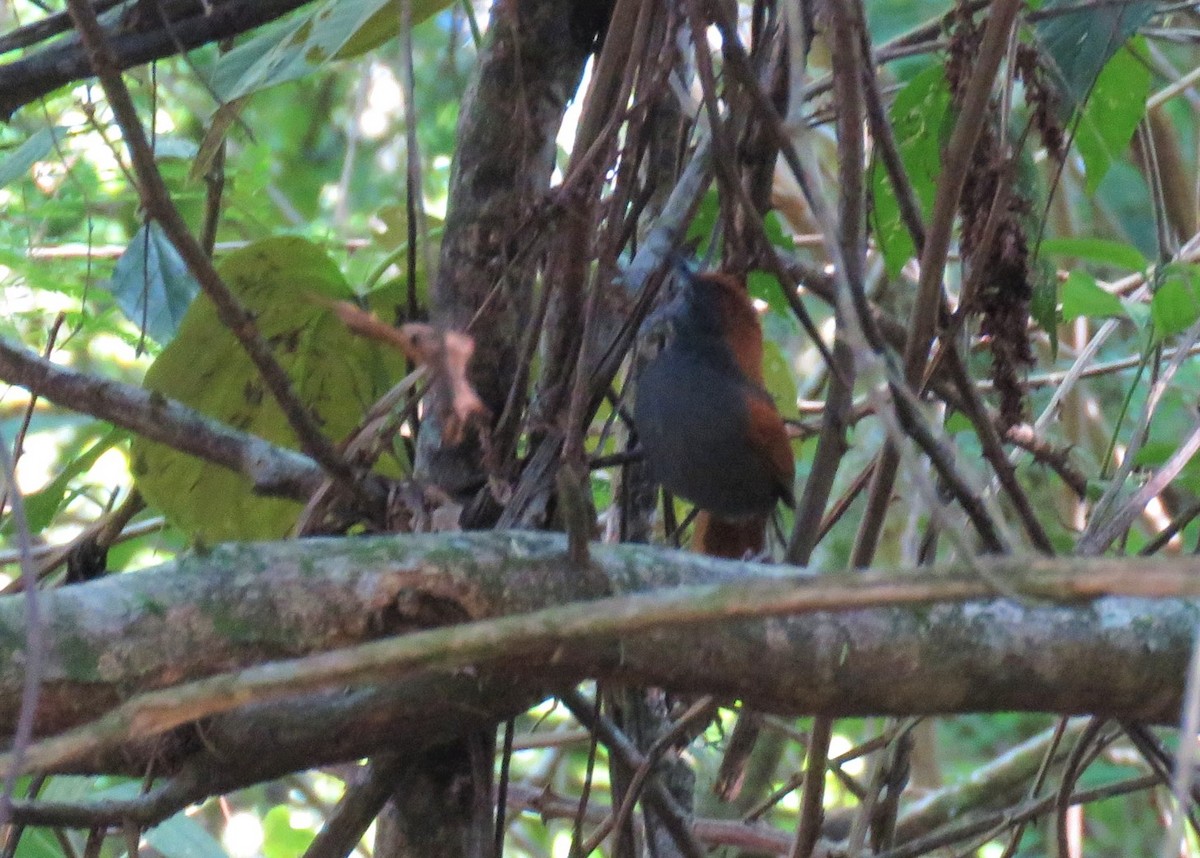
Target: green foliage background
{"x":314,"y":199}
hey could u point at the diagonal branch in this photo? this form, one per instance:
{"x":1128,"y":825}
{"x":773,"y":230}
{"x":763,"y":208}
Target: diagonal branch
{"x":923,"y":319}
{"x":924,"y":641}
{"x":156,"y":201}
{"x":192,"y":24}
{"x":273,"y":470}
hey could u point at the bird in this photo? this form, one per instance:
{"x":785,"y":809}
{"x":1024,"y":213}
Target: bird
{"x":709,"y":430}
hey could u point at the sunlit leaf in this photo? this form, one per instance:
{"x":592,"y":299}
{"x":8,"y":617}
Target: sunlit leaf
{"x":1100,"y":251}
{"x":1083,"y":296}
{"x":291,"y":49}
{"x":1176,"y":303}
{"x":282,"y":281}
{"x":42,"y":506}
{"x":280,"y":838}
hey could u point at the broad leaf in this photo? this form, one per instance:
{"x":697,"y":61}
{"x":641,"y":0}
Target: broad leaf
{"x":1176,"y":303}
{"x":19,"y":161}
{"x":1100,"y":251}
{"x":1082,"y":296}
{"x":1111,"y":115}
{"x":288,"y":50}
{"x":151,"y":284}
{"x":921,"y":119}
{"x":284,"y":282}
{"x":39,"y":843}
{"x":1079,"y":44}
{"x":1103,"y":87}
{"x":184,"y":837}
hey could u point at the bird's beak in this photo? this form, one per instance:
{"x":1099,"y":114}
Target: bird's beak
{"x":659,"y":322}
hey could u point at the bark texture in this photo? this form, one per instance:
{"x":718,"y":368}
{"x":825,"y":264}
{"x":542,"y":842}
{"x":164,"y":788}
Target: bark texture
{"x":527,"y":71}
{"x":240,"y":605}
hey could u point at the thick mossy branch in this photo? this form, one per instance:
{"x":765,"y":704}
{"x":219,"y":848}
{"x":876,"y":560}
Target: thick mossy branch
{"x":1116,"y":640}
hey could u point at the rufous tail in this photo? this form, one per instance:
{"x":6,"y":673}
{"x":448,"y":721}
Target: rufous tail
{"x":721,"y":537}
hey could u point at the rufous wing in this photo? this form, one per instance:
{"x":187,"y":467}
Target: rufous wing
{"x":766,"y":433}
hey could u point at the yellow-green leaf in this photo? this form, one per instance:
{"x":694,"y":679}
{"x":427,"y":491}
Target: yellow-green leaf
{"x":284,"y":282}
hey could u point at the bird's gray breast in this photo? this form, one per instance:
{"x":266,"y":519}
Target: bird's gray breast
{"x":692,"y":422}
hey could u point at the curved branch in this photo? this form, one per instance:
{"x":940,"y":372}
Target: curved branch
{"x":28,"y":79}
{"x":158,"y":205}
{"x":273,"y":470}
{"x":875,"y":642}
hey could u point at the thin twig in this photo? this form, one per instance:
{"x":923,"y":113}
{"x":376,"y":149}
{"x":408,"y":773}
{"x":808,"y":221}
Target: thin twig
{"x":999,"y":820}
{"x":1184,"y":775}
{"x":356,"y":809}
{"x":674,"y":817}
{"x":699,"y":711}
{"x":156,"y":201}
{"x":808,"y":829}
{"x":922,"y":320}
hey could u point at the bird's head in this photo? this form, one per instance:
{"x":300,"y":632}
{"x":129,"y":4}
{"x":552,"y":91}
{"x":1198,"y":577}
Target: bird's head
{"x":709,"y":312}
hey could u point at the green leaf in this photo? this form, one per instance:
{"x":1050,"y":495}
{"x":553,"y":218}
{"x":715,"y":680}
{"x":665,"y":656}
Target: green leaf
{"x":21,"y":160}
{"x":1101,"y":84}
{"x":1099,"y":251}
{"x":700,"y":230}
{"x":776,"y":234}
{"x":291,"y":49}
{"x":42,"y":506}
{"x":1175,"y":305}
{"x":958,"y":422}
{"x":38,"y":843}
{"x":151,"y":284}
{"x":1043,"y":306}
{"x":921,"y":119}
{"x":1080,"y":43}
{"x":765,"y":287}
{"x":1155,"y":453}
{"x":1138,"y":311}
{"x":280,"y":838}
{"x":283,"y":281}
{"x":1111,"y":115}
{"x":778,"y":377}
{"x":1082,"y":296}
{"x":183,"y":837}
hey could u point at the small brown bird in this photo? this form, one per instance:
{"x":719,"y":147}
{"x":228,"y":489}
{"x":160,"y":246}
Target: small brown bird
{"x":710,"y":431}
